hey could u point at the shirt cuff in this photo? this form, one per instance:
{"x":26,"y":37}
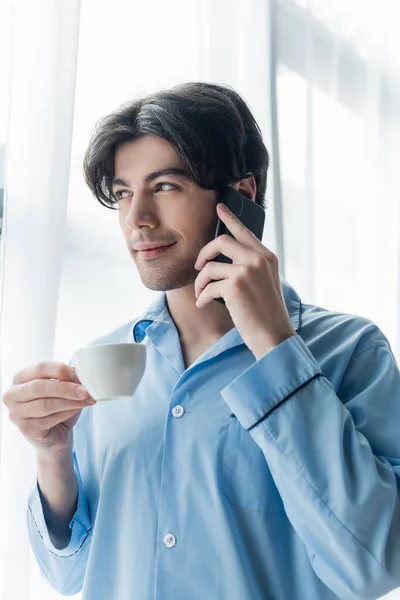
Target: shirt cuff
{"x":80,"y":524}
{"x":270,"y":380}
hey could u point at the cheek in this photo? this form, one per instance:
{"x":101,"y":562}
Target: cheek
{"x":200,"y":231}
{"x":209,"y":225}
{"x":202,"y":222}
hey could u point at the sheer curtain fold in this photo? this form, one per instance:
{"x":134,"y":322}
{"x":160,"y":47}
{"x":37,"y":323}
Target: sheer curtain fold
{"x":42,"y":85}
{"x":56,"y":96}
{"x":339,"y":137}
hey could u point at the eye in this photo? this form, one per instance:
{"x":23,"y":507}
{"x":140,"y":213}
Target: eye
{"x":119,"y":194}
{"x":171,"y":185}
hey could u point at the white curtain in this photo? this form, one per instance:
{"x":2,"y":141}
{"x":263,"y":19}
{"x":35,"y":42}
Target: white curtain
{"x":66,"y":276}
{"x":44,"y":37}
{"x":337,"y":67}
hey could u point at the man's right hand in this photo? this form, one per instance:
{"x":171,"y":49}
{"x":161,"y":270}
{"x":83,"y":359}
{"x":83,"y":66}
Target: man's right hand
{"x":44,"y":410}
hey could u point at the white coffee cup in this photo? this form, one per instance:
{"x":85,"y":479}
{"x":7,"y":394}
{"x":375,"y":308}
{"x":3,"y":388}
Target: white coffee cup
{"x":110,"y":371}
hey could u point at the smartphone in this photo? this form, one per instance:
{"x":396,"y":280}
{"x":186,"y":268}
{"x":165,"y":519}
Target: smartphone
{"x":252,"y":216}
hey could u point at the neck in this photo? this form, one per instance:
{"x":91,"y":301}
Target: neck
{"x":197,"y":325}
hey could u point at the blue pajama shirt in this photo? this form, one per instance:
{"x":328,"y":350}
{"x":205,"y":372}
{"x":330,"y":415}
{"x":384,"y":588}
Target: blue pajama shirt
{"x":237,"y":478}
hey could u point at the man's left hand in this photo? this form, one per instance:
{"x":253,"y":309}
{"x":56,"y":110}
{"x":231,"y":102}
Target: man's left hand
{"x":250,"y":286}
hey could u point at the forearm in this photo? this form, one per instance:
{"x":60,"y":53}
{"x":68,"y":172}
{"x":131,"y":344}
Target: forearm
{"x":58,"y":491}
{"x":338,"y":483}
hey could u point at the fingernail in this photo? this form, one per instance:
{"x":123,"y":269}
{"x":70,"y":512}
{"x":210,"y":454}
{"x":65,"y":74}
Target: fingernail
{"x":81,"y":392}
{"x":91,"y":401}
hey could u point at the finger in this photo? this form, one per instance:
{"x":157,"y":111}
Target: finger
{"x":213,"y":271}
{"x":46,"y":370}
{"x":43,"y":388}
{"x":45,"y":407}
{"x":33,"y":426}
{"x":237,"y":228}
{"x":213,"y":290}
{"x":227,"y":245}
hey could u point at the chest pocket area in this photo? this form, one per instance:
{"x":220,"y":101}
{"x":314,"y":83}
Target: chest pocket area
{"x":246,"y":479}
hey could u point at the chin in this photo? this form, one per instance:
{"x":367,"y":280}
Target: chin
{"x":165,"y":283}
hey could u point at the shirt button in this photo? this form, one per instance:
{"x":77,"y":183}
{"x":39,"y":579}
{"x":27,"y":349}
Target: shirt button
{"x":169,"y":540}
{"x":178,"y":411}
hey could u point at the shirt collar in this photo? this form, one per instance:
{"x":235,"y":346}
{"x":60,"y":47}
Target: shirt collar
{"x":156,"y":311}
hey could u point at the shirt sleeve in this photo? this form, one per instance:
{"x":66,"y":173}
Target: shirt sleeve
{"x":64,"y":569}
{"x":334,"y":457}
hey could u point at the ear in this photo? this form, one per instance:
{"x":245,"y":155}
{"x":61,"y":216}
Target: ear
{"x":247,"y":187}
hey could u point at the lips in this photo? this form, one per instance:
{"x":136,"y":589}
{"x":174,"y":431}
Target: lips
{"x":153,"y":252}
{"x":145,"y":247}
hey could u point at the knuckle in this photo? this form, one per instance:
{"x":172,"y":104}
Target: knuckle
{"x":40,"y":368}
{"x":259,"y":260}
{"x":237,"y":284}
{"x":7,"y":399}
{"x":243,"y":273}
{"x":64,"y":373}
{"x":35,"y":388}
{"x":273,"y":258}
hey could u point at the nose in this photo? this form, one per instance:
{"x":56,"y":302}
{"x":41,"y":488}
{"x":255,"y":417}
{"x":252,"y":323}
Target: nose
{"x":140,"y":211}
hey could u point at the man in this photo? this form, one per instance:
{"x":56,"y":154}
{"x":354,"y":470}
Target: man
{"x":259,"y":458}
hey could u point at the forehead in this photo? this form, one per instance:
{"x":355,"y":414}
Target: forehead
{"x":139,"y":157}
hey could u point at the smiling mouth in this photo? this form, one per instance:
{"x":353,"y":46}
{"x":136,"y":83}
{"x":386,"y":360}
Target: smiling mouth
{"x":146,"y":254}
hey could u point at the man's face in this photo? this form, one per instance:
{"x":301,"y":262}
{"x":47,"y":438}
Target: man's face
{"x":169,"y":209}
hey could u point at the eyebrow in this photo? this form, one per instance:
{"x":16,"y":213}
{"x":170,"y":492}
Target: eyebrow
{"x":175,"y":171}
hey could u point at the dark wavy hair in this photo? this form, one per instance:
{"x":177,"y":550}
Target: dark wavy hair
{"x":210,"y":127}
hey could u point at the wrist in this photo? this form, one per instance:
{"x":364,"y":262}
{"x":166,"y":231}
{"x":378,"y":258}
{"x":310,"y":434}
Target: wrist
{"x":265,"y":344}
{"x":51,"y":458}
